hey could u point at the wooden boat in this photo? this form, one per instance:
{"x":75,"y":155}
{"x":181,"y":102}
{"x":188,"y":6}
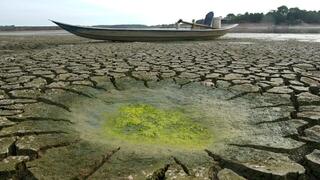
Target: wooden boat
{"x":197,"y":32}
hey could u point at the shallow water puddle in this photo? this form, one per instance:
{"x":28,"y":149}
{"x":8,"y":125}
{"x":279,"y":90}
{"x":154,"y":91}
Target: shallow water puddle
{"x":166,"y":117}
{"x":155,"y":122}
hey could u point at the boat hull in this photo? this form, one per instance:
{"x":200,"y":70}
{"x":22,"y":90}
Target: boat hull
{"x":131,"y":34}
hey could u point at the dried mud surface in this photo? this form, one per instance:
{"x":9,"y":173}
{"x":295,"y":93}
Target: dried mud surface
{"x":44,"y":81}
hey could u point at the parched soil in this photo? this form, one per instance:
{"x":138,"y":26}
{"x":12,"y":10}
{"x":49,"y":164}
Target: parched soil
{"x":265,"y":93}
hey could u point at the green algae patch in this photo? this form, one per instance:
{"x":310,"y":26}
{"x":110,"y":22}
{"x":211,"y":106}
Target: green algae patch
{"x":147,"y":124}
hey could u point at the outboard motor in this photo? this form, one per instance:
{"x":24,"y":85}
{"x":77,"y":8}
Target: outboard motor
{"x":208,"y":21}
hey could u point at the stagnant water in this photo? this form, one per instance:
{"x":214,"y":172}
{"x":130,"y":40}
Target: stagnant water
{"x":275,"y":36}
{"x":184,"y":118}
{"x":262,"y":36}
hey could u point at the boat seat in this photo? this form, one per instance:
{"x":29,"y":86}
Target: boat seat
{"x":208,"y":20}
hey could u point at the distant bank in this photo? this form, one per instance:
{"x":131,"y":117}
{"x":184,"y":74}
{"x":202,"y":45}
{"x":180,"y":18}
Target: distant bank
{"x":242,"y":28}
{"x":270,"y":28}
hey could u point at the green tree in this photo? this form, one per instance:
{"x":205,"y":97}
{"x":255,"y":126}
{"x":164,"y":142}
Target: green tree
{"x":283,"y":10}
{"x":283,"y":15}
{"x":294,"y":16}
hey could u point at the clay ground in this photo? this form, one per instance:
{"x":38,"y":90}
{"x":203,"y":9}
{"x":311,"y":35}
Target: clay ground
{"x":41,"y":76}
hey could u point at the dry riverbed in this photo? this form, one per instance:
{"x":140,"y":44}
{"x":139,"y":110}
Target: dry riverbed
{"x":73,"y":108}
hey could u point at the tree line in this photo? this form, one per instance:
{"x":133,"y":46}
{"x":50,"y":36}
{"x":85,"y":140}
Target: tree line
{"x":283,"y":15}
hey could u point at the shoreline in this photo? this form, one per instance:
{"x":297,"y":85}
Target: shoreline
{"x":270,"y":28}
{"x":242,"y":28}
{"x":302,"y":37}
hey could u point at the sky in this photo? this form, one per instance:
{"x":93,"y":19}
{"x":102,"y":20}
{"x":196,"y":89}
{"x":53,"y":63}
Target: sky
{"x":149,"y":12}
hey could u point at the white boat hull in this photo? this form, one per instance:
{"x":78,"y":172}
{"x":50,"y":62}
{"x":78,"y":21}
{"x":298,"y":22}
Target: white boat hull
{"x":132,"y":34}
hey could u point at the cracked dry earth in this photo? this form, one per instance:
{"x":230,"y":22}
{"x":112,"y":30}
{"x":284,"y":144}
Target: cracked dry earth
{"x":261,"y":99}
